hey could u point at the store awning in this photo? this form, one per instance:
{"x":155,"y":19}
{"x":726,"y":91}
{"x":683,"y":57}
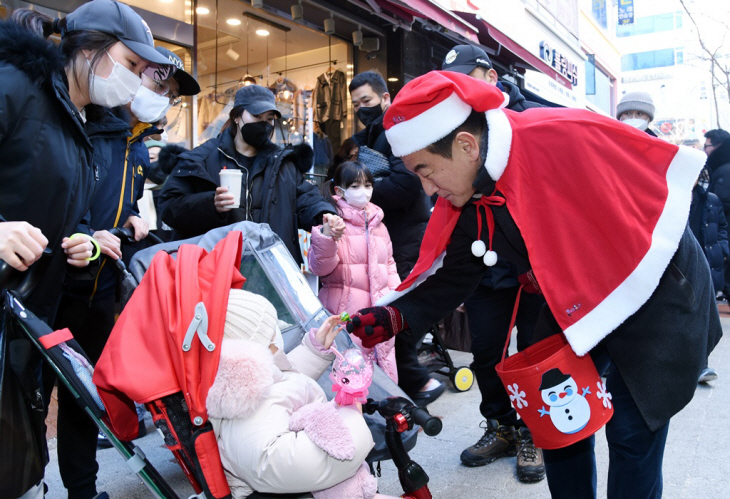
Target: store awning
{"x":488,"y":35}
{"x":433,"y":11}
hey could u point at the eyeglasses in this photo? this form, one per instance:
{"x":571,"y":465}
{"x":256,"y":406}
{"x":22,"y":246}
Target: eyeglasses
{"x":163,"y":88}
{"x":708,"y":145}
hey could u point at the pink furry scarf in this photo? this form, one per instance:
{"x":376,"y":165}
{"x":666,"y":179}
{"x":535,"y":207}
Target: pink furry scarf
{"x":244,"y":378}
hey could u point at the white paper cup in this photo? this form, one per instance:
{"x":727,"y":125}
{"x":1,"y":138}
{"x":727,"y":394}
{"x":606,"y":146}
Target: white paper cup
{"x":232,"y":180}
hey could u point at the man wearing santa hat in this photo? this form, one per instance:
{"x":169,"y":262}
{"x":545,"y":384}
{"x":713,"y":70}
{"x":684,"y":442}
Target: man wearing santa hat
{"x":593,"y":213}
{"x":489,"y":311}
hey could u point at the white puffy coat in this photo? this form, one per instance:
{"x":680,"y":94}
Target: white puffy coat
{"x":250,"y":405}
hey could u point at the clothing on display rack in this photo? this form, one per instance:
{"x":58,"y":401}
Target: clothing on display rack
{"x":330,"y":104}
{"x":323,"y":153}
{"x":210,"y":109}
{"x":285,"y":89}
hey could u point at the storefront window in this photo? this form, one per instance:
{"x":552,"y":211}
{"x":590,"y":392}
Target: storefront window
{"x":307,"y":71}
{"x":603,"y":91}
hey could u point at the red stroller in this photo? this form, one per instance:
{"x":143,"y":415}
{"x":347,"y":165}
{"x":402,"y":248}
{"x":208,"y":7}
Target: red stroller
{"x":180,"y":365}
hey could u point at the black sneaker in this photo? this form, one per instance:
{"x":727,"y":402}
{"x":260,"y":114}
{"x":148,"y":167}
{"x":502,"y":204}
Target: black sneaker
{"x":530,"y":466}
{"x":497,"y":441}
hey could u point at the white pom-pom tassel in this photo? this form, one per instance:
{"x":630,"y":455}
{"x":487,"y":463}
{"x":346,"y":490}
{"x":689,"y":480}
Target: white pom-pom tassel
{"x":490,"y":258}
{"x":478,"y":248}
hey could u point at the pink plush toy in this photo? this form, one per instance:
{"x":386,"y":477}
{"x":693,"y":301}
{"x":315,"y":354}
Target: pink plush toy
{"x":352,"y":373}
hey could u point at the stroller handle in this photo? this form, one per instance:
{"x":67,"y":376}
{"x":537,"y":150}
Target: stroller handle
{"x":126,"y":234}
{"x":23,"y":283}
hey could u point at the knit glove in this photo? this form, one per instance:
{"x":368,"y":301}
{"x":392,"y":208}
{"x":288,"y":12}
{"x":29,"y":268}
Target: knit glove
{"x":529,"y":282}
{"x":376,"y":324}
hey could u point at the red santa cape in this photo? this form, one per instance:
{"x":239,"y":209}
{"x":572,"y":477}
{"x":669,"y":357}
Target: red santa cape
{"x":601,"y":207}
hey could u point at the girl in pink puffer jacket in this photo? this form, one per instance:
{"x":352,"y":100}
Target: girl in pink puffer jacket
{"x":358,"y":268}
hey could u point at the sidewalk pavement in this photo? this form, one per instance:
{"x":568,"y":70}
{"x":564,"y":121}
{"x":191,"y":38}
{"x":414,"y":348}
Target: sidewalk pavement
{"x":695,"y":464}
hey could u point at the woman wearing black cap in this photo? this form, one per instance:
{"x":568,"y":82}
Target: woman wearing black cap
{"x":273,"y":188}
{"x":47,"y":174}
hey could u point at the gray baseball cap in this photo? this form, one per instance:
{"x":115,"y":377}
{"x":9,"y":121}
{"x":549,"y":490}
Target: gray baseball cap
{"x":119,"y":20}
{"x":256,"y":100}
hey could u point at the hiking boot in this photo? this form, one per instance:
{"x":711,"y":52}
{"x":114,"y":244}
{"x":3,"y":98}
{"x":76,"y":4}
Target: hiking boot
{"x":497,"y":441}
{"x":530,"y":466}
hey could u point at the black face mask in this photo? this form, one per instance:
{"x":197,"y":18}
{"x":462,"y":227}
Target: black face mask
{"x":367,"y":115}
{"x":257,"y":134}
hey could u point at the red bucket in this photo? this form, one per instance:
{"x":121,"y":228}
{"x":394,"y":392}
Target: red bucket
{"x":560,"y":396}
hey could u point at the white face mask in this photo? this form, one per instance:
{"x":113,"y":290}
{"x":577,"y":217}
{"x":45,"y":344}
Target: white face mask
{"x":637,"y":123}
{"x":358,"y":197}
{"x":149,"y":107}
{"x":118,"y":89}
{"x":163,"y":136}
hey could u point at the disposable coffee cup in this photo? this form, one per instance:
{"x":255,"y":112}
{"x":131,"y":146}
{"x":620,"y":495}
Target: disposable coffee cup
{"x":232,"y":180}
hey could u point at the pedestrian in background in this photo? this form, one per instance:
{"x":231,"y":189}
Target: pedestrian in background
{"x":717,"y":148}
{"x":709,"y":226}
{"x":273,"y":188}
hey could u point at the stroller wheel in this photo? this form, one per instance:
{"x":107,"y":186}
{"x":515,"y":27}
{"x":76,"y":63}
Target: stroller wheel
{"x":462,"y":378}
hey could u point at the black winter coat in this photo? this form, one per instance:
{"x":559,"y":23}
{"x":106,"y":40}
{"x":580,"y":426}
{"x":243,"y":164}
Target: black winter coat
{"x":709,"y":226}
{"x":517,"y":101}
{"x":287,"y":202}
{"x":718,"y":164}
{"x":400,"y":195}
{"x":46,"y":168}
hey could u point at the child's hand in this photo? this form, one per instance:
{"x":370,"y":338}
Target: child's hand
{"x":337,"y":227}
{"x":328,"y":330}
{"x":326,"y":221}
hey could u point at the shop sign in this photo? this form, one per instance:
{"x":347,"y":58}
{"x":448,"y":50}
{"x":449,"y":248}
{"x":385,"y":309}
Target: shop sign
{"x":625,"y":12}
{"x":559,"y":62}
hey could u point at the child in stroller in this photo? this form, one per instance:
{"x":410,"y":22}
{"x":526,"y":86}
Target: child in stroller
{"x":276,"y":432}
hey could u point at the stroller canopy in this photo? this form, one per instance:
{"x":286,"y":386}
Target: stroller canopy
{"x":168,"y":337}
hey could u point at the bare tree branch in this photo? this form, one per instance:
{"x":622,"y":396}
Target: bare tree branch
{"x":713,"y":57}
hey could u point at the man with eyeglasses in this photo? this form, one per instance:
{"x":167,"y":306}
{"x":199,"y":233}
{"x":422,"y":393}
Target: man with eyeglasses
{"x":121,"y":163}
{"x":717,"y":148}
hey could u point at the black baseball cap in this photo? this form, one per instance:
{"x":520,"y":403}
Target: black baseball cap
{"x":119,"y":20}
{"x":465,"y":59}
{"x":256,"y":100}
{"x":188,"y":85}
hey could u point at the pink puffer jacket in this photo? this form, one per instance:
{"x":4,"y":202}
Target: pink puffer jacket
{"x":357,"y":270}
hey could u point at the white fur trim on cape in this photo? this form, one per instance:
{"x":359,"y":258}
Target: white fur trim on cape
{"x":394,"y":295}
{"x":245,"y":376}
{"x":638,"y":287}
{"x":428,"y":127}
{"x":499,"y":143}
{"x":324,"y":426}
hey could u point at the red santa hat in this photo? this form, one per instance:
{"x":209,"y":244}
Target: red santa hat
{"x":432,"y":106}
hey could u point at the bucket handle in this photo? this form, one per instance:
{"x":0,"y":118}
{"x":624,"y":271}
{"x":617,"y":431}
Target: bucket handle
{"x":512,"y":322}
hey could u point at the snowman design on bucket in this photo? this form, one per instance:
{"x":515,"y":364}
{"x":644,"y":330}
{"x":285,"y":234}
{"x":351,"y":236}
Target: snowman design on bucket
{"x":568,"y":411}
